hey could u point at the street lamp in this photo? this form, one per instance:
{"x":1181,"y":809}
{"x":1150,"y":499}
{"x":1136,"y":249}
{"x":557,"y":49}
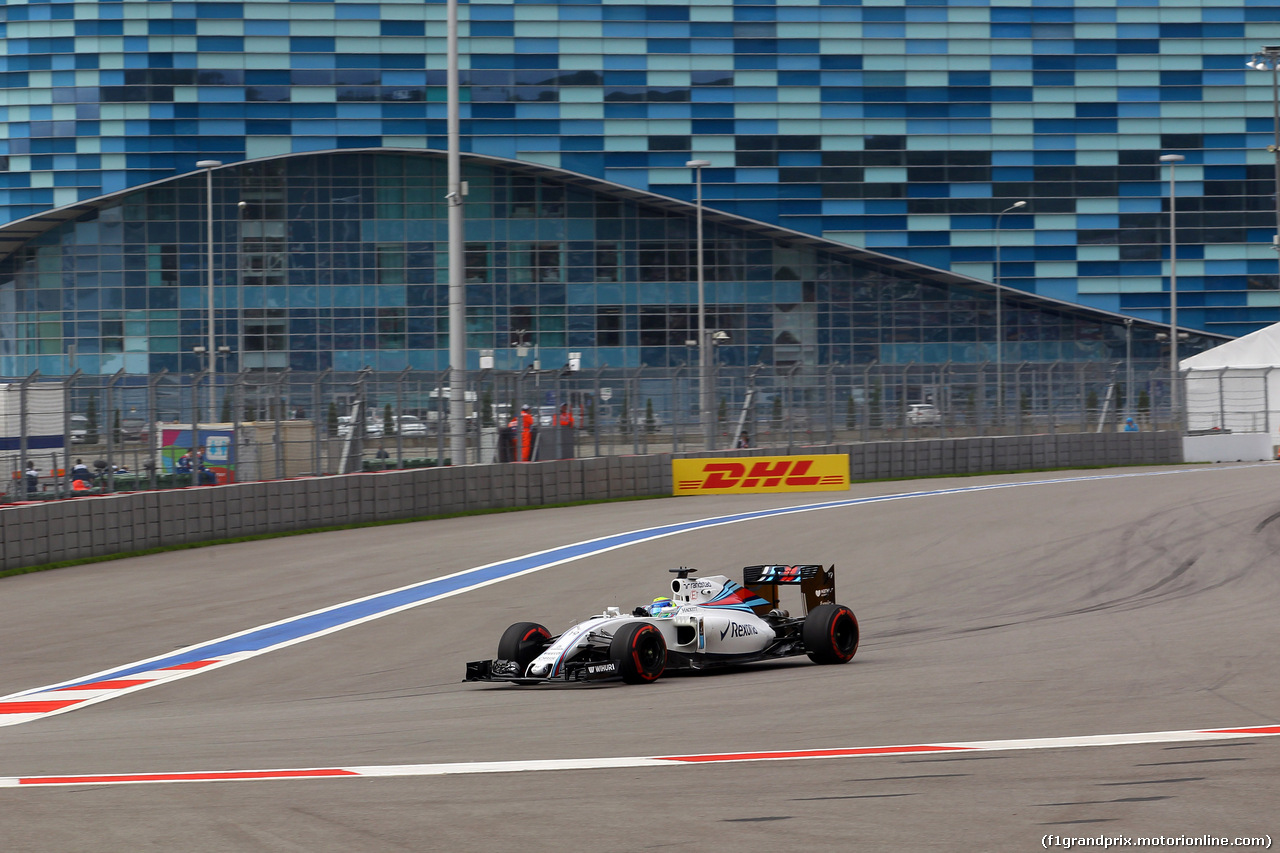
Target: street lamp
{"x":704,"y":354}
{"x":1128,"y":366}
{"x":1173,"y":160}
{"x":456,"y":189}
{"x":1269,"y":58}
{"x":1000,"y":316}
{"x":211,"y":347}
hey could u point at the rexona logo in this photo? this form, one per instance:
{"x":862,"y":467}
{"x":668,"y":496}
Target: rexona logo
{"x":760,"y":474}
{"x":733,"y":629}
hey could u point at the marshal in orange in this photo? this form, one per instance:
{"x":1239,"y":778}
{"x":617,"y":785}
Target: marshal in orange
{"x":753,"y":474}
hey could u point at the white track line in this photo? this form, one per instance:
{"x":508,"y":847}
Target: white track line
{"x":535,"y":766}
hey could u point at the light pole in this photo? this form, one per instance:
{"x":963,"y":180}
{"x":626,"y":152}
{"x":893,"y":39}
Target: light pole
{"x":1128,"y":366}
{"x":1173,"y":160}
{"x":241,"y":208}
{"x":1269,"y":58}
{"x":704,"y":351}
{"x":1000,"y":316}
{"x":457,"y":261}
{"x":211,"y":346}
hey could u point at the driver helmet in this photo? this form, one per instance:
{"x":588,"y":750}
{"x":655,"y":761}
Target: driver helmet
{"x":662,"y":606}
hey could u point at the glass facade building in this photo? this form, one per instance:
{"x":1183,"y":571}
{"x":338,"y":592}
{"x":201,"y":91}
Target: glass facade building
{"x":340,"y":261}
{"x":841,"y":136}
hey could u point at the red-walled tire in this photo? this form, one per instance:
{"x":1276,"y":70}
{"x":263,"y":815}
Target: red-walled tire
{"x":830,"y":634}
{"x":641,"y":652}
{"x":523,"y":642}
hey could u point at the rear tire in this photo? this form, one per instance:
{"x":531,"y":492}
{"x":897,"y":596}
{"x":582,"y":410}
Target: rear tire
{"x":830,"y":634}
{"x":641,"y":652}
{"x":523,"y":642}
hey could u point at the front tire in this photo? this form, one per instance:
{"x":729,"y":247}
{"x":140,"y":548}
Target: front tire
{"x":641,"y":652}
{"x":523,"y":642}
{"x":830,"y":634}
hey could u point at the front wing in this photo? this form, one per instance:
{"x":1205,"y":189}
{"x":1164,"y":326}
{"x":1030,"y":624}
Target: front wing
{"x":506,"y":670}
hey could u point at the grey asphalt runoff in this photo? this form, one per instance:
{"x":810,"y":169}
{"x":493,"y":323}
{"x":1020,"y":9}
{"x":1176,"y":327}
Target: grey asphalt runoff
{"x":1091,"y":607}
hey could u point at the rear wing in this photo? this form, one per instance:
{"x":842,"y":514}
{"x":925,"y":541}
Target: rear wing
{"x":817,"y":584}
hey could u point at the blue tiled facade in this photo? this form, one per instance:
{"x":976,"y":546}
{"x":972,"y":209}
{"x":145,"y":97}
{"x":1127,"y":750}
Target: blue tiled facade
{"x":904,"y":127}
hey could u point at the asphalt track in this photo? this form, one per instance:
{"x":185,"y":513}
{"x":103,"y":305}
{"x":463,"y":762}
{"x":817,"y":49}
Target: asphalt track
{"x":1095,"y":606}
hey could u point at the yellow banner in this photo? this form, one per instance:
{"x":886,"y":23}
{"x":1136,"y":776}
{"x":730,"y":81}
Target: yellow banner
{"x":752,"y":474}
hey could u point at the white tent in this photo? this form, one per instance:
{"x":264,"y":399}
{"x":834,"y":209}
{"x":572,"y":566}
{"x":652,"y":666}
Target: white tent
{"x":1235,"y":386}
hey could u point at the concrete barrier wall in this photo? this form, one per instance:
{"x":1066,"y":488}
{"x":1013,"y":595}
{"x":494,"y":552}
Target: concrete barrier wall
{"x":36,"y":534}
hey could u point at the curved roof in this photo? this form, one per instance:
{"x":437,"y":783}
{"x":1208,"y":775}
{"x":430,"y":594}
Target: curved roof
{"x":17,"y":233}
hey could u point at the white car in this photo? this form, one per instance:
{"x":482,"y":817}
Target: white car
{"x":410,"y":425}
{"x":707,"y":622}
{"x":372,"y":428}
{"x":920,"y":414}
{"x":79,"y":428}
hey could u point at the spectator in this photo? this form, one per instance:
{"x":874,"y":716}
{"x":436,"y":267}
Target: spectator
{"x":522,"y":427}
{"x":206,"y":475}
{"x":183,"y":466}
{"x":33,"y":479}
{"x":81,"y":472}
{"x":743,"y":441}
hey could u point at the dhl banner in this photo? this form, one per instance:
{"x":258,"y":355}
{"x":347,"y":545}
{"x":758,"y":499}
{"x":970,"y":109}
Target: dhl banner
{"x":751,"y":474}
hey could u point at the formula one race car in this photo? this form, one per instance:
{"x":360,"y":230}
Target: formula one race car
{"x":707,"y":622}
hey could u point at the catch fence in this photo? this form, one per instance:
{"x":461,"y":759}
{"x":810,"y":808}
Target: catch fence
{"x":132,"y":431}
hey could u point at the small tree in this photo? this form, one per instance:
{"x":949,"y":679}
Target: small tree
{"x":624,"y":416}
{"x":1144,"y":404}
{"x":486,"y":409}
{"x":1091,"y":401}
{"x":331,"y":419}
{"x":388,"y":422}
{"x":226,"y":410}
{"x":777,"y":409}
{"x":591,"y":413}
{"x":722,"y":414}
{"x":650,"y":422}
{"x":115,"y":424}
{"x":850,"y":413}
{"x":250,"y":414}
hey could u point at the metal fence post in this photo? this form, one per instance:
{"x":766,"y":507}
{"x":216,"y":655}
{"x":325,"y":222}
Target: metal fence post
{"x":111,"y":432}
{"x":866,"y":402}
{"x":404,"y":374}
{"x":62,"y":485}
{"x":831,"y":403}
{"x":23,"y":430}
{"x":153,"y":423}
{"x":1266,"y":400}
{"x":1050,"y":402}
{"x":278,"y":439}
{"x":317,"y":391}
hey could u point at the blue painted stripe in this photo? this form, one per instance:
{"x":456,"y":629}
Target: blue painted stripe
{"x":299,"y":628}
